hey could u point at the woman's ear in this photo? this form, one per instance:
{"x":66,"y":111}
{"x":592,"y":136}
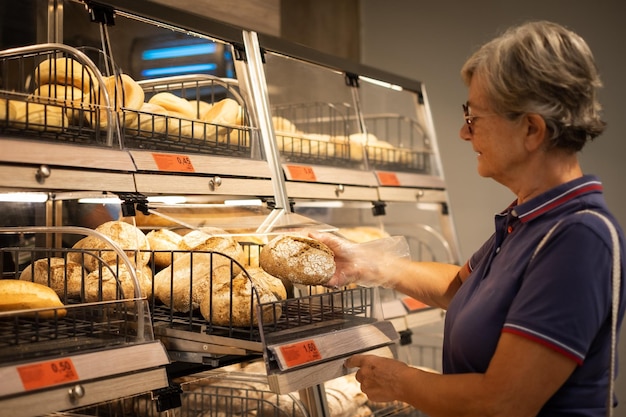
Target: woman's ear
{"x":537,"y":131}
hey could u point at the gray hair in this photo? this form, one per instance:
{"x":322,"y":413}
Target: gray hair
{"x":544,"y":68}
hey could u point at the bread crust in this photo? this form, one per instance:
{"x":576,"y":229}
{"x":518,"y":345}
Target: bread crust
{"x":64,"y":277}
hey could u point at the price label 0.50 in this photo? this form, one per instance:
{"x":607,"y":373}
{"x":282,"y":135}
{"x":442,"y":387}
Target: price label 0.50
{"x":300,"y":353}
{"x":45,"y":374}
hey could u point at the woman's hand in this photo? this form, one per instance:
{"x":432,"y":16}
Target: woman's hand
{"x":382,"y":379}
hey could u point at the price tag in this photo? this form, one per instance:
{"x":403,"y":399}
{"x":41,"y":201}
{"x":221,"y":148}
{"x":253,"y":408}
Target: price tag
{"x":173,"y":162}
{"x":387,"y":178}
{"x":46,"y":374}
{"x":301,"y":173}
{"x":300,"y":353}
{"x":412,"y":304}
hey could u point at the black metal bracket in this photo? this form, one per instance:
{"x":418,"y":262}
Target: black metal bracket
{"x":132,"y":202}
{"x":352,"y":80}
{"x":378,"y":208}
{"x":168,"y":398}
{"x":99,"y":13}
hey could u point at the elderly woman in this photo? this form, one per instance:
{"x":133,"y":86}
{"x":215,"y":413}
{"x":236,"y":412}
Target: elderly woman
{"x":529,"y":316}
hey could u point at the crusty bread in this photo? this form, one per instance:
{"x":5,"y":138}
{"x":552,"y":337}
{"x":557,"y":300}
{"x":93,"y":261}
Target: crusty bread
{"x":233,"y":302}
{"x":207,"y":240}
{"x":64,"y":277}
{"x":26,"y":295}
{"x":299,"y":259}
{"x":182,"y":285}
{"x":162,"y":242}
{"x":116,"y":283}
{"x":130,"y":238}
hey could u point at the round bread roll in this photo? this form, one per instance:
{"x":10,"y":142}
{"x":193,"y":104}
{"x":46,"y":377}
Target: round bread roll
{"x":72,"y":98}
{"x":25,"y":295}
{"x":282,"y":124}
{"x":116,"y":283}
{"x":123,"y":91}
{"x":44,"y":117}
{"x":205,"y":240}
{"x":299,"y":259}
{"x":130,"y":238}
{"x":172,"y":103}
{"x":180,"y":127}
{"x":163,"y":240}
{"x":225,"y":112}
{"x":201,"y":107}
{"x":150,"y":119}
{"x":66,"y":71}
{"x":382,"y":151}
{"x":234,"y":303}
{"x":64,"y":277}
{"x":182,"y":285}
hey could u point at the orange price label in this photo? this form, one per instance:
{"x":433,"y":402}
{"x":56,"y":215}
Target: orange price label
{"x":387,"y":178}
{"x":300,"y":353}
{"x":412,"y":304}
{"x":46,"y":374}
{"x":173,"y":162}
{"x":301,"y":173}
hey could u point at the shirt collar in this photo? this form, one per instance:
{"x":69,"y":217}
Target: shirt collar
{"x":555,"y":197}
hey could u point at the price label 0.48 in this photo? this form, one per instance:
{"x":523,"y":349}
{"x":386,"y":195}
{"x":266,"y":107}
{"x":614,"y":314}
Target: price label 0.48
{"x":45,"y":374}
{"x":300,"y":353}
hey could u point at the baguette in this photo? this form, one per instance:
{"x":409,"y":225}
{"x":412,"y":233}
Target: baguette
{"x":26,"y":295}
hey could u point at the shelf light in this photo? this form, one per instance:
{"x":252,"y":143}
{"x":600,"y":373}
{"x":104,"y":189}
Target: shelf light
{"x":24,"y":197}
{"x":381,"y":83}
{"x":249,"y":202}
{"x":100,"y":200}
{"x":167,"y":199}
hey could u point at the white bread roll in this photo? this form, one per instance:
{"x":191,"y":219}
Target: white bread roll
{"x":68,"y":96}
{"x":200,"y":107}
{"x":26,"y":295}
{"x":163,"y":240}
{"x":151,"y":119}
{"x":172,"y":103}
{"x":283,"y":125}
{"x":116,"y":283}
{"x":233,"y":302}
{"x":130,"y":238}
{"x":225,"y":112}
{"x":182,"y":285}
{"x":64,"y":277}
{"x":299,"y":259}
{"x":44,"y":117}
{"x":123,"y":91}
{"x":66,"y":71}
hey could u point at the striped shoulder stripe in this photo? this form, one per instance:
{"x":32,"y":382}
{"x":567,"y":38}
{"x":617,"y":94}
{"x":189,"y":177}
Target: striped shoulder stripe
{"x":547,"y":341}
{"x":560,"y":199}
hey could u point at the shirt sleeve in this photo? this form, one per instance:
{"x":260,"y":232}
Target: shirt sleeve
{"x":564,"y":297}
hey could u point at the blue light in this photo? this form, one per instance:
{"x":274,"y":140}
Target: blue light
{"x":181,"y":69}
{"x":178,"y":51}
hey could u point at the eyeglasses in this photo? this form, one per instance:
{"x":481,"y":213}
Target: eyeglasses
{"x":469,"y":118}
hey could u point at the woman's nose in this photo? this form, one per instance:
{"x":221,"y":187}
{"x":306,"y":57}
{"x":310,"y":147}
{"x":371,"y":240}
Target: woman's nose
{"x":465,"y":133}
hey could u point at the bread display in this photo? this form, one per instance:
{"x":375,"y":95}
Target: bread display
{"x":234,"y":302}
{"x":114,"y":282}
{"x":70,"y":97}
{"x":225,"y":112}
{"x":27,"y":295}
{"x":214,"y":240}
{"x":151,"y":119}
{"x":122,"y":91}
{"x":63,"y":276}
{"x":201,"y":107}
{"x":172,"y":103}
{"x":162,"y":242}
{"x":130,"y":238}
{"x":36,"y":116}
{"x":299,"y":259}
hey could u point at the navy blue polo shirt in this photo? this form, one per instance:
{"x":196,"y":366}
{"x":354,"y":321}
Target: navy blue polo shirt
{"x":562,"y":299}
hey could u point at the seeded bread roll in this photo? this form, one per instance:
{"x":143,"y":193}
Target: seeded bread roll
{"x":233,"y":303}
{"x":182,"y":285}
{"x":25,"y":295}
{"x":299,"y":259}
{"x":116,"y":283}
{"x":64,"y":277}
{"x":163,"y":240}
{"x":130,"y":238}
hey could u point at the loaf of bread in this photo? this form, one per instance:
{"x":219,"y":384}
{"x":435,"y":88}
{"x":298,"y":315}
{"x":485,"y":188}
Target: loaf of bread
{"x":234,"y":303}
{"x":123,"y":91}
{"x":66,"y":71}
{"x":182,"y":285}
{"x":299,"y":259}
{"x":130,"y":238}
{"x":63,"y":276}
{"x":162,"y":242}
{"x":114,"y":282}
{"x":27,"y":295}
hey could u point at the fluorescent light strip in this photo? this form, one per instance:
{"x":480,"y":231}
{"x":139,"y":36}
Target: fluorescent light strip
{"x":24,"y":197}
{"x":182,"y":69}
{"x":178,"y":51}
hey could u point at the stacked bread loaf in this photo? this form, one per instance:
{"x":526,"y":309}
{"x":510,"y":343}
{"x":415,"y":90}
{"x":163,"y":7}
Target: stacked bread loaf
{"x":27,"y":295}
